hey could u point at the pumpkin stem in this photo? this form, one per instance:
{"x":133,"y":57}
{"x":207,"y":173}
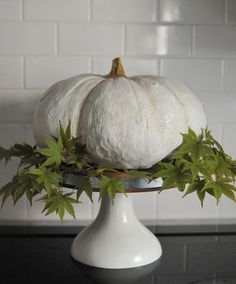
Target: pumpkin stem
{"x":116,"y":69}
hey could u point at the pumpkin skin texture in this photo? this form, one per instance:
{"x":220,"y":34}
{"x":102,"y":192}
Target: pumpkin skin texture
{"x":130,"y":123}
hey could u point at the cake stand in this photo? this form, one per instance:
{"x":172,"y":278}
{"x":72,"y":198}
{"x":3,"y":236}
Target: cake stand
{"x":116,"y":239}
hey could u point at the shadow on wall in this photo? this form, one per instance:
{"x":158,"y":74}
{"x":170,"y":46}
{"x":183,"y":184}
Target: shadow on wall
{"x":18,"y":107}
{"x":16,"y":116}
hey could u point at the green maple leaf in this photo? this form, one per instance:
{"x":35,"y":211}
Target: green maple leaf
{"x":5,"y":154}
{"x":223,"y":167}
{"x":189,"y":139}
{"x":192,"y":146}
{"x":96,"y":172}
{"x":69,"y":144}
{"x":198,"y":167}
{"x":21,"y":184}
{"x":220,"y":187}
{"x":214,"y":187}
{"x":201,"y":196}
{"x":24,"y":152}
{"x":2,"y":155}
{"x":59,"y":203}
{"x":53,"y":152}
{"x":111,"y":187}
{"x":196,"y":186}
{"x":26,"y":184}
{"x":47,"y":178}
{"x":84,"y":185}
{"x":228,"y":190}
{"x":173,"y":176}
{"x":65,"y":134}
{"x":21,"y":150}
{"x":138,"y":173}
{"x":7,"y":190}
{"x":27,"y":154}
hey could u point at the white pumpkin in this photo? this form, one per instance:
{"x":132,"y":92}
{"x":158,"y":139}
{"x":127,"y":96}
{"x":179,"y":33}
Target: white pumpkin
{"x":129,"y":122}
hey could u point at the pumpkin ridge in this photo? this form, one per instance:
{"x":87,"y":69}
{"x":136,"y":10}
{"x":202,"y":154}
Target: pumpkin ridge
{"x":51,"y":95}
{"x":133,"y":86}
{"x":83,"y":103}
{"x":160,"y":81}
{"x":179,"y":101}
{"x":78,"y":84}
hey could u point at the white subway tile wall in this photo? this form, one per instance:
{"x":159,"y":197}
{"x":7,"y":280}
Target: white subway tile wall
{"x":38,"y":68}
{"x":11,"y":133}
{"x":27,"y":38}
{"x":124,"y":11}
{"x":10,"y":10}
{"x":197,"y":74}
{"x":193,"y":41}
{"x":208,"y":43}
{"x":231,"y":11}
{"x":171,"y":205}
{"x":61,"y":10}
{"x":192,"y":11}
{"x":229,"y":78}
{"x":11,"y":72}
{"x":91,"y":39}
{"x":152,"y":40}
{"x":18,"y":106}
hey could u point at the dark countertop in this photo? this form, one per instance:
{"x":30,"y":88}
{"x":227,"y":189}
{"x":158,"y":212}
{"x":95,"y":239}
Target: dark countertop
{"x":191,"y":254}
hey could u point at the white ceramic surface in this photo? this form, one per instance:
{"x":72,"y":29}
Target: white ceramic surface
{"x":116,"y":239}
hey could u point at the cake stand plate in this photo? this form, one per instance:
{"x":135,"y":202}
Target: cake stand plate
{"x":116,"y":239}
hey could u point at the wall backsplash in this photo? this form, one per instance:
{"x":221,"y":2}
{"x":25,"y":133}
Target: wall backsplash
{"x":43,"y":41}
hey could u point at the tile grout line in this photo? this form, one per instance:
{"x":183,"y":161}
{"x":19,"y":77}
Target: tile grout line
{"x":130,"y":56}
{"x":27,"y":203}
{"x":220,"y":138}
{"x":193,"y":41}
{"x":21,"y":10}
{"x":226,"y":12}
{"x":90,"y":64}
{"x":90,"y":14}
{"x":56,"y":40}
{"x":161,"y":67}
{"x":23,"y":71}
{"x":221,"y":134}
{"x":156,"y":212}
{"x":155,"y":23}
{"x":124,"y":40}
{"x":157,"y":8}
{"x":185,"y":248}
{"x":157,"y":66}
{"x":222,"y":75}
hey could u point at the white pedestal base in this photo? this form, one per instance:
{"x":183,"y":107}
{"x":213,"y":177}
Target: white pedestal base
{"x":116,"y":239}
